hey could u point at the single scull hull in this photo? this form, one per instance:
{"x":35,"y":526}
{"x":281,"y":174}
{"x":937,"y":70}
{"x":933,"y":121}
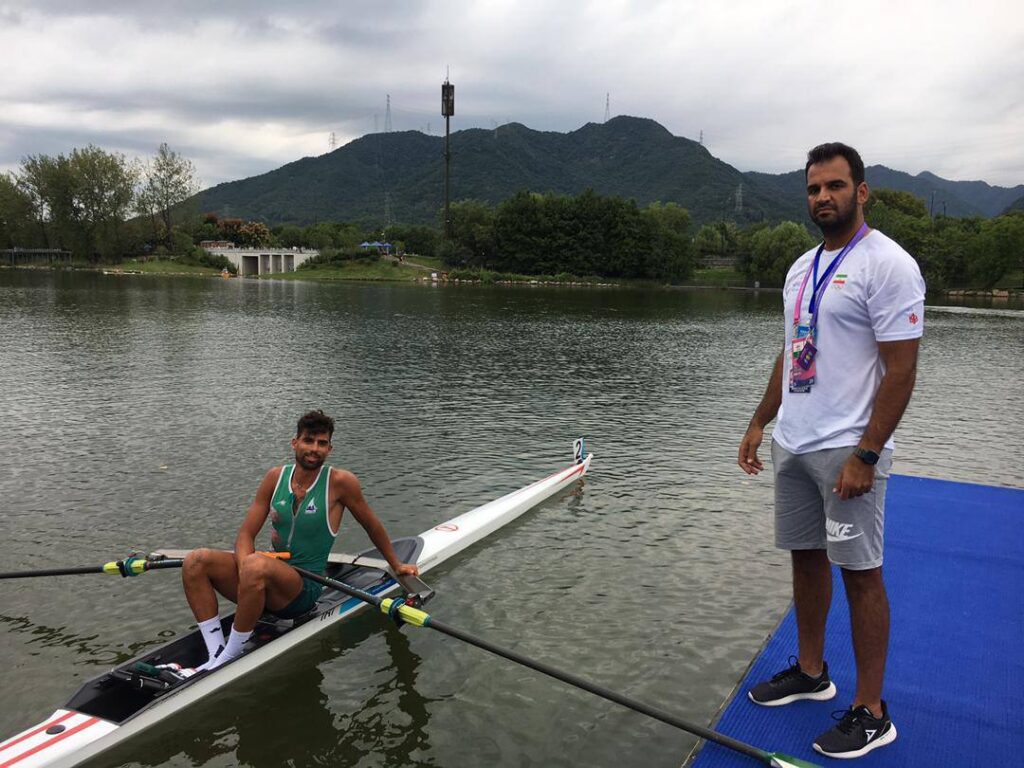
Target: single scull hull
{"x":115,"y":706}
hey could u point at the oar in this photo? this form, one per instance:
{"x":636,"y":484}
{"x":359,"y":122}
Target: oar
{"x":130,"y":566}
{"x":400,"y":611}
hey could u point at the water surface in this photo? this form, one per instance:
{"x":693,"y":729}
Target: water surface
{"x":140,"y":412}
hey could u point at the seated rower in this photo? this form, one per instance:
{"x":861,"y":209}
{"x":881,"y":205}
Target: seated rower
{"x":305,"y":502}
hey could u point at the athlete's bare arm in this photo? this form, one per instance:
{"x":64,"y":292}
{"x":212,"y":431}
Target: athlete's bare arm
{"x":766,"y":411}
{"x":900,"y":360}
{"x":346,"y":488}
{"x":245,"y":543}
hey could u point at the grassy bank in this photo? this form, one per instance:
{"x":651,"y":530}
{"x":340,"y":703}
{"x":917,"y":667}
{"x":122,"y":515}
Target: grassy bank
{"x":160,"y":267}
{"x":719,"y":277}
{"x":353,"y":270}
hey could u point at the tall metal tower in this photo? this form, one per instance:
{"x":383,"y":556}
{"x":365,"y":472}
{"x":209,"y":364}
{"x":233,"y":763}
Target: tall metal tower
{"x":387,"y":116}
{"x":739,"y":198}
{"x":447,"y":110}
{"x":607,"y":107}
{"x":332,"y":142}
{"x":702,"y":137}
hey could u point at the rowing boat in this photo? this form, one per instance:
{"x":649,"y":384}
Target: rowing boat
{"x":123,"y":702}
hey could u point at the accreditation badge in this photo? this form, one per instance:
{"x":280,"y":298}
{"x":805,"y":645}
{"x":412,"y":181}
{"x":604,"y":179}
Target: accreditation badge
{"x":802,"y":369}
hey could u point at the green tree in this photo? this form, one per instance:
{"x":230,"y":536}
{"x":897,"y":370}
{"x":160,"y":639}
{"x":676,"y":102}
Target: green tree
{"x":901,"y":216}
{"x":320,"y":236}
{"x":671,"y":252}
{"x":418,"y":239}
{"x":104,"y":192}
{"x":49,"y":185}
{"x":169,"y":182}
{"x":774,"y":250}
{"x":82,"y":198}
{"x":472,"y":225}
{"x":709,"y":242}
{"x":998,"y":249}
{"x":289,"y":235}
{"x":18,"y":225}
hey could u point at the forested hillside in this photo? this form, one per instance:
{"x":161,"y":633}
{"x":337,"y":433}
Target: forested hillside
{"x":399,"y":178}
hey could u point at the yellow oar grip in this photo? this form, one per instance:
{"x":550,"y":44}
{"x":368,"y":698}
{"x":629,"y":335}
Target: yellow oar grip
{"x":136,"y":565}
{"x":407,"y":613}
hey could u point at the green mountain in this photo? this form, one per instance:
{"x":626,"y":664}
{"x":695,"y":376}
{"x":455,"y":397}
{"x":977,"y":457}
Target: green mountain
{"x":400,"y":176}
{"x":1016,"y":205}
{"x":954,"y":198}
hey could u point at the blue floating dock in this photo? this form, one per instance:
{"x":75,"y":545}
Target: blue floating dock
{"x":954,"y":569}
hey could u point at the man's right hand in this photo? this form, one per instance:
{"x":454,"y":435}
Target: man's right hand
{"x":747,"y":459}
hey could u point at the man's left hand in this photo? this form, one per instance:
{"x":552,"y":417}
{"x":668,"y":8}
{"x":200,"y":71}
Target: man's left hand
{"x":407,"y":569}
{"x":855,"y":479}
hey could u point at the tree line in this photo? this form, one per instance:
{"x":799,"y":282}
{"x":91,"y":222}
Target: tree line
{"x":103,"y":207}
{"x":97,"y":204}
{"x":585,"y":235}
{"x":952,"y":252}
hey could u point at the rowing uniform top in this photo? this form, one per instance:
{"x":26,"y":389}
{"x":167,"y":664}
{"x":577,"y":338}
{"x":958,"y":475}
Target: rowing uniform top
{"x":303,"y":528}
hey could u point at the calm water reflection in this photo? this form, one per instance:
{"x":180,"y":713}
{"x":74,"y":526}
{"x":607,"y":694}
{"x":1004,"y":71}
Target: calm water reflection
{"x":140,"y":412}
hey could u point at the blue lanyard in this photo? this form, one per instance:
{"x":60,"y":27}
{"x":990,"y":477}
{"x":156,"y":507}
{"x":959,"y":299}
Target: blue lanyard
{"x":820,"y":285}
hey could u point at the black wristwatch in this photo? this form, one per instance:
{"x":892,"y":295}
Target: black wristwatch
{"x":868,"y":457}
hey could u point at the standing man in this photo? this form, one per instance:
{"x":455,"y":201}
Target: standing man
{"x":305,"y":502}
{"x":854,"y":310}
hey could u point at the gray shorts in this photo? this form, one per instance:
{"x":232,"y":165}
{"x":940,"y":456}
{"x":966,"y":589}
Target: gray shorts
{"x":808,"y":515}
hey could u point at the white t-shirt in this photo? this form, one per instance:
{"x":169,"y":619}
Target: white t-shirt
{"x":876,"y":294}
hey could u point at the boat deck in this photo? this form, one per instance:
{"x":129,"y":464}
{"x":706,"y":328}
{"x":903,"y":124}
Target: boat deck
{"x":955,"y":682}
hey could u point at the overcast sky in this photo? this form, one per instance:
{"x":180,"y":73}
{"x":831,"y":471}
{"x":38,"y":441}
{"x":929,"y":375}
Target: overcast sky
{"x":241,"y":88}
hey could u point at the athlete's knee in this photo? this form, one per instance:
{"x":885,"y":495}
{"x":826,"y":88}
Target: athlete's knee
{"x":255,"y":570}
{"x":863,"y":580}
{"x":197,"y":561}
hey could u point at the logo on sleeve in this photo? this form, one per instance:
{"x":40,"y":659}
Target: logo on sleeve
{"x":913,"y":318}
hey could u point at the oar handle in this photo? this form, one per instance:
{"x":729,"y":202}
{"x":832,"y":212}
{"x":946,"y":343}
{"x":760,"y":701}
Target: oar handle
{"x":129,"y":566}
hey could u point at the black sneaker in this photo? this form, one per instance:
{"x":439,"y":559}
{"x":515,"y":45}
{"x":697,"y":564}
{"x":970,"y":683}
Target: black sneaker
{"x":857,"y":733}
{"x":791,"y":685}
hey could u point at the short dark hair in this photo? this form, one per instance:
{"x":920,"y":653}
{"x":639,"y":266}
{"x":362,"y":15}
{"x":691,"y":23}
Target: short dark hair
{"x":825,"y":152}
{"x":315,"y":423}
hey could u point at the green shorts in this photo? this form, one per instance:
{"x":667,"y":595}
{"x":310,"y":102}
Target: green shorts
{"x":303,"y":602}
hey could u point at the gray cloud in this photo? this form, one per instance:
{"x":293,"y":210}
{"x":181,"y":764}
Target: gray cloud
{"x":242,"y":88}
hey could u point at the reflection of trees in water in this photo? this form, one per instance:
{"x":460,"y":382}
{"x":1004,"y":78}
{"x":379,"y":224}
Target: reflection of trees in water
{"x":100,"y":653}
{"x":391,"y":724}
{"x":284,"y":717}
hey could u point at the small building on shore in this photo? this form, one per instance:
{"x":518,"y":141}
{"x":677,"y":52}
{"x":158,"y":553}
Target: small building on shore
{"x":253,"y":262}
{"x":21,"y":257}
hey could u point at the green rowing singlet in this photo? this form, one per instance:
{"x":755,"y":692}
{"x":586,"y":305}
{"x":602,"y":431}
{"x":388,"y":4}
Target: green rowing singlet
{"x":303,"y":528}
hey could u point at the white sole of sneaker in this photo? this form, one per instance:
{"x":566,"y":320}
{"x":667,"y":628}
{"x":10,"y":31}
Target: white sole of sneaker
{"x":881,"y":741}
{"x":825,"y":695}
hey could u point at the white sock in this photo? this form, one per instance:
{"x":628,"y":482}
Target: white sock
{"x":213,"y":636}
{"x":232,"y":649}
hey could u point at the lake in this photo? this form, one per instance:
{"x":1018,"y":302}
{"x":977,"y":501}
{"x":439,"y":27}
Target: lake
{"x":140,"y":412}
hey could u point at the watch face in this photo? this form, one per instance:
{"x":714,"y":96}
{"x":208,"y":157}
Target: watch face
{"x":868,"y":457}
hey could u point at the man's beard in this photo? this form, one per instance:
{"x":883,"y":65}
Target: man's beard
{"x":844,"y":217}
{"x":308,"y":464}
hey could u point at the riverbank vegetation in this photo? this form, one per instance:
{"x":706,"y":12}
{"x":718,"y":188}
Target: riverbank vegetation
{"x":104,"y":209}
